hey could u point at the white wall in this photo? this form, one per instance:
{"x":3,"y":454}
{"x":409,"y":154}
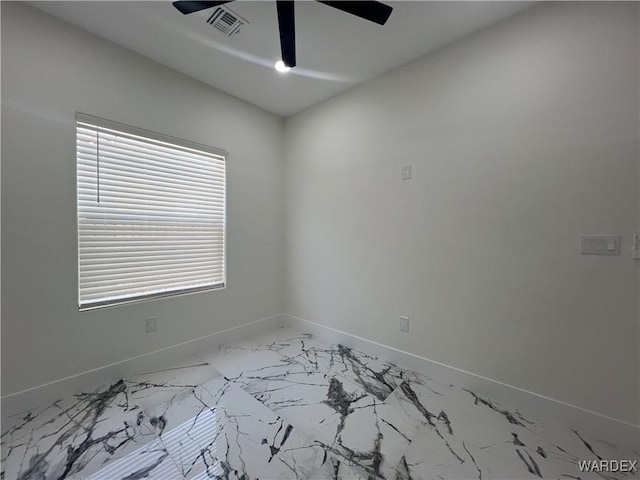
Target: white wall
{"x":50,"y":70}
{"x":522,"y":137}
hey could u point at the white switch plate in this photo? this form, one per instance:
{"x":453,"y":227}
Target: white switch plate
{"x":599,"y":244}
{"x":635,"y":247}
{"x":406,"y":172}
{"x":404,"y":324}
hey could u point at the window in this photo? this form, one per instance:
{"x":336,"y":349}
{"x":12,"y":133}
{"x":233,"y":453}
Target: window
{"x":151,"y":214}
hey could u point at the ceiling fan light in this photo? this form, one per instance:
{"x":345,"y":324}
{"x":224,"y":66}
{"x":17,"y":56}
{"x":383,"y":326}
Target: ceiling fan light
{"x":281,"y":67}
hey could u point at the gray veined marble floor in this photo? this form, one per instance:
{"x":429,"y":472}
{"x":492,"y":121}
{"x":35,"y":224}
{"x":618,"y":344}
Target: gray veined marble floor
{"x":286,"y":405}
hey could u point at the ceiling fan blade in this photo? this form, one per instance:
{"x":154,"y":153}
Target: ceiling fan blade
{"x":369,"y":10}
{"x":187,"y":7}
{"x":287,"y":25}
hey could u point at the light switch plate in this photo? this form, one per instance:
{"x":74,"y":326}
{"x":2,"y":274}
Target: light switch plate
{"x":406,"y":172}
{"x":404,"y":324}
{"x":599,"y":244}
{"x":635,"y":247}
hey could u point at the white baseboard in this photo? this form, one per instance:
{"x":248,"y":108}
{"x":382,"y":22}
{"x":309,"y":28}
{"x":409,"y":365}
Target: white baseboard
{"x":591,"y":423}
{"x":45,"y":394}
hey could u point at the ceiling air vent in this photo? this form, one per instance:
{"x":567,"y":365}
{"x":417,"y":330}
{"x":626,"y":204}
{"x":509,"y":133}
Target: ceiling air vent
{"x":225,"y":20}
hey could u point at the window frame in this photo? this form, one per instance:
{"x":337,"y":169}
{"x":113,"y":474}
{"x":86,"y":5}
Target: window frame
{"x":83,"y":118}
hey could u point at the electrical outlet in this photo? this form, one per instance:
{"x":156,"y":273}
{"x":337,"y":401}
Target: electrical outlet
{"x":152,"y":324}
{"x":406,"y":172}
{"x":404,"y":324}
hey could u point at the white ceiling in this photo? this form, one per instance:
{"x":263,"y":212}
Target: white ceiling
{"x":335,"y":50}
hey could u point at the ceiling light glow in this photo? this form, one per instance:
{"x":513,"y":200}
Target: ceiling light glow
{"x":281,"y":67}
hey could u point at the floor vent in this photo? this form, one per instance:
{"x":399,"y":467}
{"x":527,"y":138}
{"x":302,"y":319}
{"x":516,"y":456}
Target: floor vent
{"x":225,"y":20}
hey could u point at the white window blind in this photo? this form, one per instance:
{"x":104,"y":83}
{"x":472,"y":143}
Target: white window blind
{"x":151,"y":214}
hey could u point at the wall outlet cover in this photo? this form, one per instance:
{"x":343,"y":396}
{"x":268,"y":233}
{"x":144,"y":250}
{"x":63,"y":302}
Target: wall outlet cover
{"x":151,"y":324}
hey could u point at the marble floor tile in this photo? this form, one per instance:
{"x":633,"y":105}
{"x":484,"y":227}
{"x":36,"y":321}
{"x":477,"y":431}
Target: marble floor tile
{"x":233,"y":359}
{"x":285,"y":340}
{"x":375,"y":376}
{"x":467,"y":436}
{"x":79,"y":434}
{"x":343,"y":418}
{"x":150,"y":388}
{"x":274,"y":344}
{"x":151,"y":461}
{"x":284,"y":404}
{"x":216,"y":430}
{"x":373,"y":439}
{"x":336,"y":468}
{"x":310,"y":400}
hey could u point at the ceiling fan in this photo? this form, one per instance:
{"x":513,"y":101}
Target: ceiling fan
{"x":373,"y":11}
